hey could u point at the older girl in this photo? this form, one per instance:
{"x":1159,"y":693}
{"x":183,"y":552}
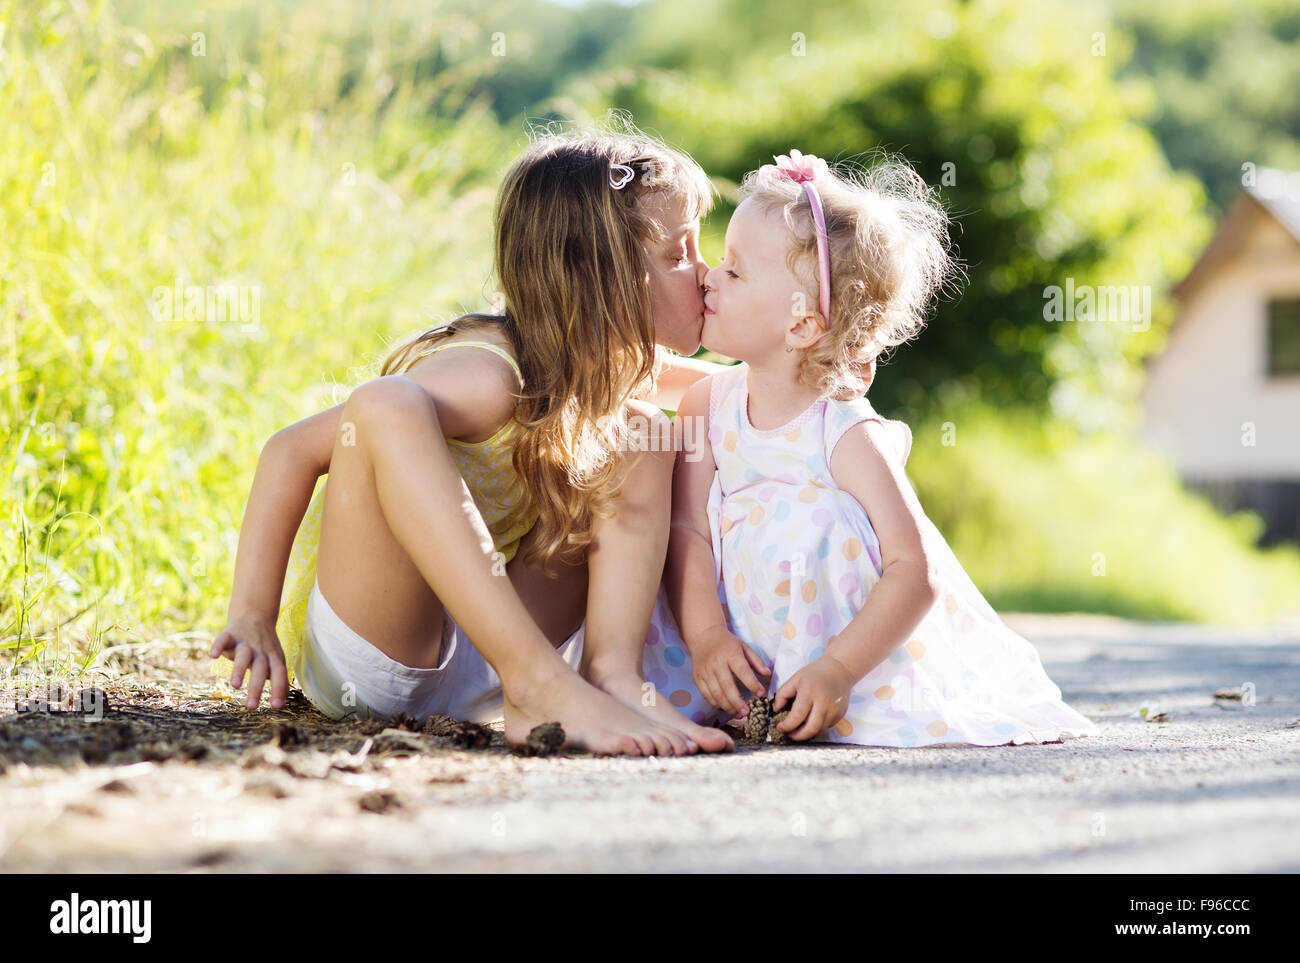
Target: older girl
{"x":476,"y":491}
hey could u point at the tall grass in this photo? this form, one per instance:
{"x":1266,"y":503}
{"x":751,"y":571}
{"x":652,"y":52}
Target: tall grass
{"x":318,"y":161}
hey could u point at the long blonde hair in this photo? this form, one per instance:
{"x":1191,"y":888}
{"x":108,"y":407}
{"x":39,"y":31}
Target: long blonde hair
{"x":571,"y":266}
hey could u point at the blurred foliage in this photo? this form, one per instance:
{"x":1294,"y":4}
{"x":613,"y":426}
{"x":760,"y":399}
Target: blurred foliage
{"x":1043,"y":520}
{"x":1226,"y":76}
{"x":1031,"y":120}
{"x":1050,"y":174}
{"x":351,"y":192}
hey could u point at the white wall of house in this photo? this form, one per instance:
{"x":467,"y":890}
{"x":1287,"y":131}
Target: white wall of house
{"x":1212,"y":379}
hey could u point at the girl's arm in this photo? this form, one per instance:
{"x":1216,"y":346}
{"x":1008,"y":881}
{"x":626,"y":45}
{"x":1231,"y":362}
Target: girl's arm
{"x":908,"y":585}
{"x":718,"y":657}
{"x":691,"y":569}
{"x":676,"y":375}
{"x":292,"y":461}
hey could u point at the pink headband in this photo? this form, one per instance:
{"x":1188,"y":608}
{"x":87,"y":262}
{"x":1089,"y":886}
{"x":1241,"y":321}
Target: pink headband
{"x":803,"y":169}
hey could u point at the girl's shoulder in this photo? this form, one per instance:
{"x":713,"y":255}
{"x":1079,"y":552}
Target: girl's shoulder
{"x":840,"y":416}
{"x":475,"y":382}
{"x":486,"y":341}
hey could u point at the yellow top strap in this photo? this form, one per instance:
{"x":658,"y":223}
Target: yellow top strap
{"x":495,"y":349}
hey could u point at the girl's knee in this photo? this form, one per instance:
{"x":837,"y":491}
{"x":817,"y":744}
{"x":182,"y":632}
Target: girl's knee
{"x":387,"y":400}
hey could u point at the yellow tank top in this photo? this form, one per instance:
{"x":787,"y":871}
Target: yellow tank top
{"x":489,"y":473}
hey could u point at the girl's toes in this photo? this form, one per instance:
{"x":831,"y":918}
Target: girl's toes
{"x":681,"y":745}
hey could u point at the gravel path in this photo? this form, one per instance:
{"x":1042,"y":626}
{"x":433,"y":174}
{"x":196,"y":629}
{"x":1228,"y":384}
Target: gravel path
{"x":1216,"y":788}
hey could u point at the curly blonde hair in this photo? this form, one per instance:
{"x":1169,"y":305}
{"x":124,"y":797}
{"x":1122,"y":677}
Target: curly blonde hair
{"x":570,"y":259}
{"x":888,"y":242}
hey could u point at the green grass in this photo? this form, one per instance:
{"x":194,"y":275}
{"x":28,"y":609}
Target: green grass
{"x":353,"y":196}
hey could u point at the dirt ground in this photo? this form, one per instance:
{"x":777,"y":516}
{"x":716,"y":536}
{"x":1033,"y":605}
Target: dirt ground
{"x":178,"y":777}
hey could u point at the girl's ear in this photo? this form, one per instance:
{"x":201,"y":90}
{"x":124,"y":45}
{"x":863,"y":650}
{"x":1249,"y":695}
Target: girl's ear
{"x":805,"y":331}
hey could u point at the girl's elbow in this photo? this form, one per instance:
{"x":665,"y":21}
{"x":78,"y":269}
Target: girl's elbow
{"x":932,"y":582}
{"x":925,"y":576}
{"x":285,"y":450}
{"x":278,"y":445}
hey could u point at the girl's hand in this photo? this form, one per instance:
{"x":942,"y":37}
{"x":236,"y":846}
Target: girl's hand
{"x":718,"y":659}
{"x":256,"y":651}
{"x":820,"y":692}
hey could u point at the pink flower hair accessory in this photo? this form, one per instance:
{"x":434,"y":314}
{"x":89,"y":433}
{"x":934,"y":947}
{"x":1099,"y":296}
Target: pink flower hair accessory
{"x":805,"y":169}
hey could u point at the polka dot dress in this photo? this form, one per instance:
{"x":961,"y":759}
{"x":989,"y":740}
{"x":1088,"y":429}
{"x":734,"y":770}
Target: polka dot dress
{"x":796,"y":560}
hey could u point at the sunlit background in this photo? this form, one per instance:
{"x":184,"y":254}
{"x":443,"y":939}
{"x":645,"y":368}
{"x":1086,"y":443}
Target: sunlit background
{"x":334,"y":164}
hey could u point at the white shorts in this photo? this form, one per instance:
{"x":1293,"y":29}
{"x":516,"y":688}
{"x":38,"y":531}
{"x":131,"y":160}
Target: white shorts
{"x":345,"y":676}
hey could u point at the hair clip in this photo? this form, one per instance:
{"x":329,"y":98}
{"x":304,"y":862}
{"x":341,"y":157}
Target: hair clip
{"x":623,"y":169}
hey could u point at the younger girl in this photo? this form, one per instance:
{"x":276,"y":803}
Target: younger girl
{"x":798,"y":547}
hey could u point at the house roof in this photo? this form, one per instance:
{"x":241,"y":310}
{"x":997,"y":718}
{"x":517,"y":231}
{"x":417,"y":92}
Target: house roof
{"x":1276,"y":193}
{"x":1279,"y":193}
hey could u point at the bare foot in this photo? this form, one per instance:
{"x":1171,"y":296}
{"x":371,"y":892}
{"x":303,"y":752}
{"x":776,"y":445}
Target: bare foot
{"x":591,"y":719}
{"x":635,"y":693}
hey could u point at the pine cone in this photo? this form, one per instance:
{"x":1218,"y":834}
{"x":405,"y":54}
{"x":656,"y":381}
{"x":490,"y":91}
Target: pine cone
{"x":543,"y":740}
{"x":404,"y":721}
{"x":760,"y":716}
{"x":775,"y":735}
{"x":463,"y":735}
{"x":470,"y":735}
{"x":437,"y":725}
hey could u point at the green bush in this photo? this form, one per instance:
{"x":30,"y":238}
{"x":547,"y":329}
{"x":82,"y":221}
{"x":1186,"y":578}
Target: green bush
{"x":1046,"y":520}
{"x":349,"y":197}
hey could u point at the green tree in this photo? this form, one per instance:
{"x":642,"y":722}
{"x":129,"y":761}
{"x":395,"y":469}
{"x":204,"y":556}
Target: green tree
{"x":1226,"y":75}
{"x":1015,"y":112}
